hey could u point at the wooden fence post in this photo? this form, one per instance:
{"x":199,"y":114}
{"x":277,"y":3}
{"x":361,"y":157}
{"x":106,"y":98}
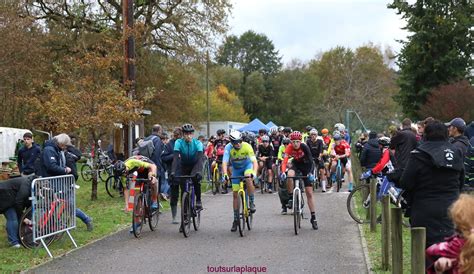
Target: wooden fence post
{"x":418,"y":243}
{"x":397,"y":241}
{"x":373,"y":205}
{"x":385,"y":232}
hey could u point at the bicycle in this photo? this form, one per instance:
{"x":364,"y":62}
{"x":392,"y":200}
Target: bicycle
{"x":188,"y":207}
{"x":50,"y":218}
{"x":362,"y":192}
{"x":316,"y":176}
{"x":298,"y":202}
{"x":243,"y":207}
{"x":103,"y":167}
{"x":206,"y":174}
{"x":114,"y":185}
{"x":216,"y":178}
{"x":142,"y":206}
{"x":338,"y":175}
{"x":264,"y":175}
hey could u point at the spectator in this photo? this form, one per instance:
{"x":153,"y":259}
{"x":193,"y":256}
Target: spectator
{"x":14,"y":197}
{"x":155,"y":135}
{"x":164,"y":138}
{"x":363,"y":138}
{"x":456,"y":133}
{"x":420,"y":128}
{"x":469,"y":132}
{"x":469,"y":164}
{"x":54,"y":163}
{"x":433,"y":177}
{"x":455,"y":255}
{"x":403,"y":142}
{"x":167,"y":158}
{"x":28,"y":154}
{"x":371,"y":152}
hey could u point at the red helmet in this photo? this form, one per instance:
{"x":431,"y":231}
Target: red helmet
{"x":296,"y":135}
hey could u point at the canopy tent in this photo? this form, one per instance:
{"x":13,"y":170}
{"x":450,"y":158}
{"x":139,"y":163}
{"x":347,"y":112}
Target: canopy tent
{"x":254,"y":126}
{"x":271,"y":124}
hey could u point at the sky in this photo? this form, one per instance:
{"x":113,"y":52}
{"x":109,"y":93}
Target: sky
{"x":300,"y":29}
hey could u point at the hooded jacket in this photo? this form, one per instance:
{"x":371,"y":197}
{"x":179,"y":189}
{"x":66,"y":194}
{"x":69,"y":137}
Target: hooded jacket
{"x":461,"y":142}
{"x":404,"y":141}
{"x":51,"y":161}
{"x":433,"y":177}
{"x":371,"y":154}
{"x":469,"y":132}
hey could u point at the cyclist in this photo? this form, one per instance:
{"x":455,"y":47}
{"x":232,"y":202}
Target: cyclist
{"x":341,"y":150}
{"x":281,"y":151}
{"x":326,"y":136}
{"x":188,"y":156}
{"x":250,"y":138}
{"x":342,"y":129}
{"x":219,"y":145}
{"x":264,"y":155}
{"x":243,"y":161}
{"x":283,"y":192}
{"x":145,"y":169}
{"x":275,"y":138}
{"x":261,"y":132}
{"x":385,"y":163}
{"x":306,"y":133}
{"x":316,"y":144}
{"x":287,"y":131}
{"x":303,"y":163}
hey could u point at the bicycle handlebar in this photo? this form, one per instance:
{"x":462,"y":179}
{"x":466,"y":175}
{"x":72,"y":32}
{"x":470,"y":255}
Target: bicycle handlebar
{"x":241,"y":177}
{"x":184,"y":177}
{"x":296,"y":177}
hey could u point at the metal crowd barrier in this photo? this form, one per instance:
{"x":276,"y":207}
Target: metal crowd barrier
{"x":53,"y":202}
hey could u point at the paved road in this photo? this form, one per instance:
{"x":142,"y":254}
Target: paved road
{"x":334,"y":248}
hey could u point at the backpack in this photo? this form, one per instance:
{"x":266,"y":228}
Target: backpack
{"x":146,"y":147}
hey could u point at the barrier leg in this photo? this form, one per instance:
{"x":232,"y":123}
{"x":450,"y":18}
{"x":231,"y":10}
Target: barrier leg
{"x":70,"y":237}
{"x":46,"y":247}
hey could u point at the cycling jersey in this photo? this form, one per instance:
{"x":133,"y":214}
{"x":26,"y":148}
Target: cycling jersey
{"x":327,"y":140}
{"x":341,"y":149}
{"x":209,"y":151}
{"x":239,"y":158}
{"x":140,"y":164}
{"x":265,"y":151}
{"x":385,"y":163}
{"x":276,"y":142}
{"x":281,"y":152}
{"x":302,"y":155}
{"x":188,"y":151}
{"x":219,"y":146}
{"x":316,"y":147}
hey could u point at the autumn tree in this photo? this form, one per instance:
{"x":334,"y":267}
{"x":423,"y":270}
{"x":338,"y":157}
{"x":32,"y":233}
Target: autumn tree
{"x":438,"y":50}
{"x":448,"y":101}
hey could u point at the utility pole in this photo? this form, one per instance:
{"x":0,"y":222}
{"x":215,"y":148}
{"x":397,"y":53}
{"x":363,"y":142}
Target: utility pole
{"x":207,"y":91}
{"x":128,"y":67}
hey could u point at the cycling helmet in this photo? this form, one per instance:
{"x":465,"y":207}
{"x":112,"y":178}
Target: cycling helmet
{"x":235,"y":136}
{"x":251,"y":135}
{"x":220,"y":131}
{"x":313,"y":132}
{"x":384,"y":141}
{"x":274,"y":130}
{"x":285,"y":141}
{"x":339,"y":127}
{"x":280,"y":128}
{"x":187,"y":128}
{"x":212,"y":137}
{"x":262,"y":130}
{"x":337,"y":137}
{"x":296,"y":135}
{"x":265,"y":138}
{"x":287,"y":130}
{"x":244,"y":135}
{"x":308,"y":128}
{"x":119,"y":167}
{"x":324,"y":131}
{"x":336,"y":132}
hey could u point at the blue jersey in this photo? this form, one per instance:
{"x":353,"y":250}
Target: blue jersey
{"x":239,"y":158}
{"x":188,"y":151}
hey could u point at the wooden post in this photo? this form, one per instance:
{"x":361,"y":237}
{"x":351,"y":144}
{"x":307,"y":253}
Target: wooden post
{"x":418,"y":243}
{"x":373,"y":205}
{"x":397,"y":241}
{"x":385,"y":232}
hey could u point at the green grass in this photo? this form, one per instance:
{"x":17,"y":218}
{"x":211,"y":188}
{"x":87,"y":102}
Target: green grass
{"x":374,"y":239}
{"x":108,"y":218}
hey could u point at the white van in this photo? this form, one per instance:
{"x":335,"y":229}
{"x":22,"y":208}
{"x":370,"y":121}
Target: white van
{"x":8,"y":139}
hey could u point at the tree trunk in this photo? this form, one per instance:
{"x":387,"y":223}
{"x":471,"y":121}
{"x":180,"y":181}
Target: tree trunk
{"x":94,"y":186}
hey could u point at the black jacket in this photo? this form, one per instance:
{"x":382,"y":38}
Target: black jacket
{"x":72,"y":156}
{"x":316,"y":148}
{"x":51,"y":162}
{"x":461,"y":142}
{"x":27,"y":157}
{"x":433,"y":177}
{"x":404,"y":141}
{"x":371,"y":154}
{"x":469,"y":132}
{"x":15,"y":193}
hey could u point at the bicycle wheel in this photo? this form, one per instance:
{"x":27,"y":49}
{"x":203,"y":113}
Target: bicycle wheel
{"x":103,"y":175}
{"x":359,"y":197}
{"x":114,"y":186}
{"x":196,"y":219}
{"x":242,"y":210}
{"x":249,"y":218}
{"x":186,"y":214}
{"x":138,"y":216}
{"x":25,"y":231}
{"x":338,"y":179}
{"x":86,"y":172}
{"x":205,"y":175}
{"x":296,"y":211}
{"x":263,"y":179}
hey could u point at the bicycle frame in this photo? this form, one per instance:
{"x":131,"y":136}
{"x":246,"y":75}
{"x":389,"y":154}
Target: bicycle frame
{"x":297,"y":192}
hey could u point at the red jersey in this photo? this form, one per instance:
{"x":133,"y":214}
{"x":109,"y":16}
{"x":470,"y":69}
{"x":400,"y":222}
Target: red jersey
{"x":302,"y":154}
{"x":383,"y":163}
{"x":342,"y":148}
{"x":327,"y":139}
{"x":209,"y":150}
{"x":219,"y":145}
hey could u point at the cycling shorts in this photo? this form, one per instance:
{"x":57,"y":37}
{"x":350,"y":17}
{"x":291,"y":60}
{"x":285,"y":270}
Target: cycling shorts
{"x":303,"y":169}
{"x":268,"y":163}
{"x":344,"y":162}
{"x":246,"y":170}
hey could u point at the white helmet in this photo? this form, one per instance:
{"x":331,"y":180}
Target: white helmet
{"x":340,"y":127}
{"x":313,"y":131}
{"x":235,"y":136}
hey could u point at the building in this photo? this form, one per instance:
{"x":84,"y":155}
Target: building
{"x":215,"y":125}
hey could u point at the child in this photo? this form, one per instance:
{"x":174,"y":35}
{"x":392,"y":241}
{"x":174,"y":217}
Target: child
{"x":456,"y":255}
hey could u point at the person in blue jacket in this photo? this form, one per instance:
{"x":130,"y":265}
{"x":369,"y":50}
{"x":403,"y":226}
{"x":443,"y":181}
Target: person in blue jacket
{"x":28,"y":154}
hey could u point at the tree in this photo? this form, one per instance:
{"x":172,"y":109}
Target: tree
{"x":254,"y":94}
{"x":438,"y":51}
{"x":448,"y":101}
{"x":179,"y":27}
{"x":225,"y":105}
{"x":249,"y":53}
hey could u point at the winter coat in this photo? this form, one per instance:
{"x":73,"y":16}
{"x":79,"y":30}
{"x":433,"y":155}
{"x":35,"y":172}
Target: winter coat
{"x":51,"y":160}
{"x":461,"y":142}
{"x":404,"y":141}
{"x":72,"y":156}
{"x":450,"y":249}
{"x":371,"y":154}
{"x":433,"y":177}
{"x":27,"y":157}
{"x":469,"y":131}
{"x":15,"y":193}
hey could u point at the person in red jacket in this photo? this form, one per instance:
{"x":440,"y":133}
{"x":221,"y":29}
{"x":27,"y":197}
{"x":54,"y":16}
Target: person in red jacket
{"x":456,"y":254}
{"x":384,"y":165}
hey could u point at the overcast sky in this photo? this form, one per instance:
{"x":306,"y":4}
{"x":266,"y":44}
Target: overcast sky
{"x":302,"y":28}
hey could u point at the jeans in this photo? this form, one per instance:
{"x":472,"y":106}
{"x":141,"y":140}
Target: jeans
{"x":164,"y":185}
{"x":12,"y":226}
{"x":83,"y":216}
